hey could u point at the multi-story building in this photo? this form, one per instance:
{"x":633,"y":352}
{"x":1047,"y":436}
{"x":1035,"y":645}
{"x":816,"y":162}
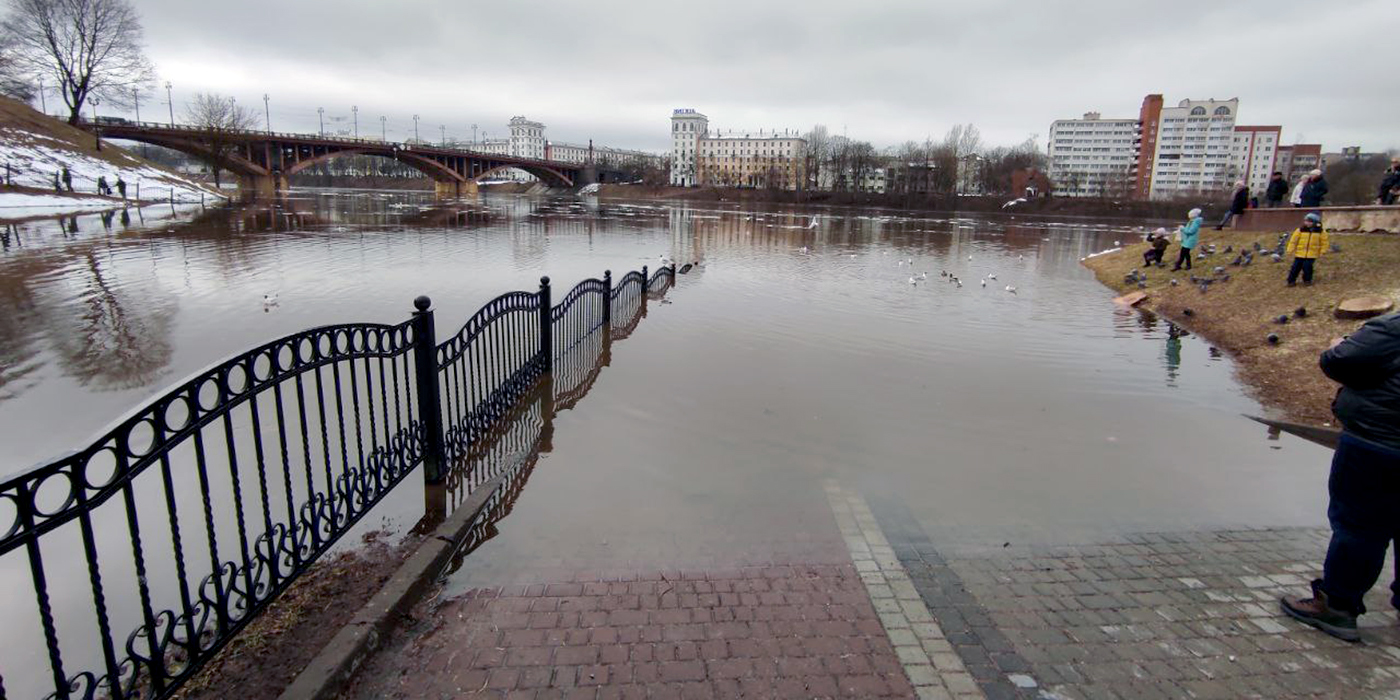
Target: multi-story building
{"x":1093,"y":156}
{"x":1252,"y":156}
{"x":575,"y":153}
{"x":1193,"y":149}
{"x":750,"y":160}
{"x":526,"y":138}
{"x":1189,"y":150}
{"x":687,"y":128}
{"x":1297,"y":159}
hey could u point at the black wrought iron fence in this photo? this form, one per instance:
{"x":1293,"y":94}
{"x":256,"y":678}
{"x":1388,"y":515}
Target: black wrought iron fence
{"x":152,"y":547}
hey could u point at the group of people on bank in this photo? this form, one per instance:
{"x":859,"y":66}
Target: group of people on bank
{"x":63,"y":178}
{"x":1306,"y":244}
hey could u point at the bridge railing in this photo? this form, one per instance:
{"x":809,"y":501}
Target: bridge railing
{"x":150,"y":548}
{"x":115,"y":127}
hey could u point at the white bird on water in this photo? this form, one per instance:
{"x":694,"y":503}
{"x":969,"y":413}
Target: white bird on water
{"x":969,"y":257}
{"x":664,"y":260}
{"x":269,"y":301}
{"x":984,"y":281}
{"x":804,"y":250}
{"x":815,"y":220}
{"x":913,"y":280}
{"x":1011,"y":289}
{"x":991,"y":277}
{"x":923,"y":275}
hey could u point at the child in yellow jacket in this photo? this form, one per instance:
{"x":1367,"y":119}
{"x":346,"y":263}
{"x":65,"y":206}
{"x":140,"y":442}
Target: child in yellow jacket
{"x":1307,"y":244}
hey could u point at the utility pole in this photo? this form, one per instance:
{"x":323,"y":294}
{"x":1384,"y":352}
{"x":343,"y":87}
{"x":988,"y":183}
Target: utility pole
{"x":415,"y":129}
{"x":443,"y":129}
{"x":136,"y":99}
{"x":473,"y":135}
{"x":170,"y":103}
{"x":383,"y":130}
{"x":43,"y":106}
{"x":267,"y":113}
{"x":321,"y":113}
{"x":355,"y":110}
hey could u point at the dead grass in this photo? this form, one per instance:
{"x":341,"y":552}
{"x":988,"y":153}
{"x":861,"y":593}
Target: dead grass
{"x":1238,"y":315}
{"x":56,"y":133}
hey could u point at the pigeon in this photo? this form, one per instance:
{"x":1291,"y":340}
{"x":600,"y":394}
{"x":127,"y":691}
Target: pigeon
{"x":1204,"y":288}
{"x":1187,"y":312}
{"x":1174,"y":282}
{"x":1336,"y":248}
{"x":1300,"y":312}
{"x":1272,"y":338}
{"x":1229,"y":249}
{"x":1276,"y":257}
{"x":1218,"y":270}
{"x":1142,"y":285}
{"x":1238,"y":259}
{"x":1257,"y":247}
{"x":1282,"y":319}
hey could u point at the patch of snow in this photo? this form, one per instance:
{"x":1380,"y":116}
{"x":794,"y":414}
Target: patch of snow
{"x":590,"y":189}
{"x":1102,"y":252}
{"x":33,"y":160}
{"x":18,"y":205}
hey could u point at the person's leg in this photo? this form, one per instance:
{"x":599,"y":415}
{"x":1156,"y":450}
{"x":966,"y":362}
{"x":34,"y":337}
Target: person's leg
{"x":1187,"y":253}
{"x":1293,"y":271}
{"x":1308,"y":270}
{"x":1224,"y":220}
{"x":1362,"y":491}
{"x":1179,"y":257}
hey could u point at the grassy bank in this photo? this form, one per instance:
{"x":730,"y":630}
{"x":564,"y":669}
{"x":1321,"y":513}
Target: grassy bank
{"x":1239,"y":314}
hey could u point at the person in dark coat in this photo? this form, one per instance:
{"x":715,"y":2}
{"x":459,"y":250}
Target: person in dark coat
{"x":1390,"y":184}
{"x":1315,"y":191}
{"x":1238,"y":203}
{"x":1157,"y":249}
{"x":121,"y":187}
{"x":1277,"y":190}
{"x":102,"y":185}
{"x":57,"y":184}
{"x":67,"y":179}
{"x":1364,"y":485}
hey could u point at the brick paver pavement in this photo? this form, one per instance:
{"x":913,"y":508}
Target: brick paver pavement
{"x":775,"y":631}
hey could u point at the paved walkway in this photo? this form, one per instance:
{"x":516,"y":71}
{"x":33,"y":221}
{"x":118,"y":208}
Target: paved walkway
{"x":1151,"y":616}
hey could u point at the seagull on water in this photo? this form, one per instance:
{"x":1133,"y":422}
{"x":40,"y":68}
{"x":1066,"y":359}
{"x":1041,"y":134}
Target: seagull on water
{"x":1011,"y":289}
{"x":984,"y":281}
{"x":913,"y":280}
{"x":991,"y":277}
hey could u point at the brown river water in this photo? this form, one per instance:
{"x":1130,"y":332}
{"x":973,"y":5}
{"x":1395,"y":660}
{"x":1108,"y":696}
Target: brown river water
{"x":799,"y":351}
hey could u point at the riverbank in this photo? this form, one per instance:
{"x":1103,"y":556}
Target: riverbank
{"x":1239,"y":314}
{"x":923,"y":202}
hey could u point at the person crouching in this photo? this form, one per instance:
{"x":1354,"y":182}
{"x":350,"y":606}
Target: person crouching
{"x":1306,"y":245}
{"x":1157,"y":248}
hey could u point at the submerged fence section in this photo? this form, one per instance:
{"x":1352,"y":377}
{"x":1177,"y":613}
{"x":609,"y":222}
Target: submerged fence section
{"x":151,"y":548}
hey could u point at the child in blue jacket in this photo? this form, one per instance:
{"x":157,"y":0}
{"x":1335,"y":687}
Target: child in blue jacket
{"x":1189,"y":234}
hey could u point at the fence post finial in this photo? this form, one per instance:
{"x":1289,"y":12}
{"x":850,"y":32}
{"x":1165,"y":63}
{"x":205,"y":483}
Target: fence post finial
{"x":546,"y":357}
{"x":607,"y":297}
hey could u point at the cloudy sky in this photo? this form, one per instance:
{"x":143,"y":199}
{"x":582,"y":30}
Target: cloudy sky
{"x":885,"y":71}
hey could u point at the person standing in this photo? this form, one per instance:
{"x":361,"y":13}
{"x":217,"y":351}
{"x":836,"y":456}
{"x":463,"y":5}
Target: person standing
{"x":1364,"y":484}
{"x":1315,"y":191}
{"x":1277,"y":190}
{"x":1189,"y":233}
{"x":1390,"y":184}
{"x":67,"y":179}
{"x":1306,"y":245}
{"x":121,"y":187}
{"x":1238,"y":203}
{"x":57,"y":185}
{"x":102,"y":185}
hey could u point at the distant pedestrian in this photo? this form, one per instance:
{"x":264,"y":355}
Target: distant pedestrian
{"x":1157,"y":248}
{"x":57,"y":185}
{"x":1390,"y":184}
{"x":1238,"y":203}
{"x":121,"y":187}
{"x":1315,"y":191}
{"x":1188,"y":234}
{"x":67,"y":179}
{"x":1364,"y":484}
{"x":1277,"y":190}
{"x":1306,"y":245}
{"x":1296,"y":198}
{"x":102,"y":185}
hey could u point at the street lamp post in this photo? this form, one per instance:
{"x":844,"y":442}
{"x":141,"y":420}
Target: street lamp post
{"x":415,"y":129}
{"x":443,"y":129}
{"x":267,"y":113}
{"x":96,"y":130}
{"x":170,"y":103}
{"x":321,"y":114}
{"x":355,"y":110}
{"x":136,"y":100}
{"x":473,"y":135}
{"x":43,"y":106}
{"x":383,"y":130}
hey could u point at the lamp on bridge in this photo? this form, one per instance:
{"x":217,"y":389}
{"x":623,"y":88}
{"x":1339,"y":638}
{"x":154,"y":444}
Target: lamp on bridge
{"x":170,"y":103}
{"x":321,"y":113}
{"x":355,"y":110}
{"x":415,"y":129}
{"x":383,"y":130}
{"x":267,"y":113}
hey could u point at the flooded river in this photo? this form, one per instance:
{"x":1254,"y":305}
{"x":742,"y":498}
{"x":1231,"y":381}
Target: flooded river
{"x":798,"y":351}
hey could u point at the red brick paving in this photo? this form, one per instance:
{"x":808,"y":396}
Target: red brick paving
{"x":756,"y":632}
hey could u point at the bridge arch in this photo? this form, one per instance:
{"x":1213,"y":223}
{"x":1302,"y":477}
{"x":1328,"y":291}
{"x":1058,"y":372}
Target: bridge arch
{"x":428,"y":166}
{"x":546,"y":174}
{"x":233,"y":161}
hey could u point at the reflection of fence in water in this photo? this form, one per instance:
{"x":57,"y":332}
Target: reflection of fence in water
{"x":514,"y":447}
{"x":288,"y":446}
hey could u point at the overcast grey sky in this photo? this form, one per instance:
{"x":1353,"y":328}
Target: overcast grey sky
{"x":885,"y":71}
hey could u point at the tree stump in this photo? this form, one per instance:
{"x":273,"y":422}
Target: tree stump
{"x":1364,"y":307}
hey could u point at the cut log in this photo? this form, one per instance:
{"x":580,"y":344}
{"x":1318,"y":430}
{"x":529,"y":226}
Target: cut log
{"x":1364,"y":307}
{"x":1131,"y":298}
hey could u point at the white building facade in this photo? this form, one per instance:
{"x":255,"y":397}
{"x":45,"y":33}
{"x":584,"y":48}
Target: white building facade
{"x":526,"y":138}
{"x":1194,"y":149}
{"x":1093,"y":156}
{"x":1253,"y":154}
{"x":687,"y":128}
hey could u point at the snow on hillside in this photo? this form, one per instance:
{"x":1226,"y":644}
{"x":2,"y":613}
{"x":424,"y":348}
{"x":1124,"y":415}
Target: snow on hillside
{"x":18,"y":205}
{"x":34,"y":158}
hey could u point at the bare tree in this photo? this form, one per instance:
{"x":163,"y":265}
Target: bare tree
{"x":817,"y":153}
{"x":218,"y":119}
{"x":88,"y":47}
{"x":13,"y":82}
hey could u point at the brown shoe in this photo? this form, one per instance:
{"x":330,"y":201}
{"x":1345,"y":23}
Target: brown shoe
{"x":1316,"y":612}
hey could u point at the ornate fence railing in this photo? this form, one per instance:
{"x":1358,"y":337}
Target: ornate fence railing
{"x":151,"y":548}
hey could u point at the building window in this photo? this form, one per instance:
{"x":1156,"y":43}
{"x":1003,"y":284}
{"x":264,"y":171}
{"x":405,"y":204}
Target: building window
{"x":1220,"y":111}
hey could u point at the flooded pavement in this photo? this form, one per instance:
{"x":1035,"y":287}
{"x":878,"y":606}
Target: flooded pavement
{"x":808,"y":350}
